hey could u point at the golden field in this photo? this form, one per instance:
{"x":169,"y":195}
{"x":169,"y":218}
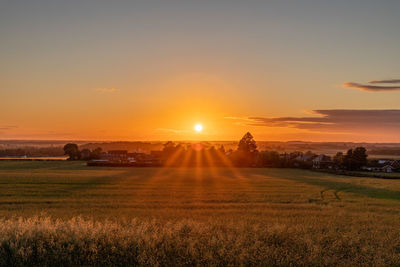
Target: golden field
{"x":65,"y":213}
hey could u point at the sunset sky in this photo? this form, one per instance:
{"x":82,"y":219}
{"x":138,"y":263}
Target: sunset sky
{"x":150,"y":70}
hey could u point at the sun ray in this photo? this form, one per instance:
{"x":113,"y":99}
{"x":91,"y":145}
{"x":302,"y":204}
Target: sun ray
{"x":211,"y":164}
{"x":170,"y":162}
{"x":186,"y":160}
{"x":229,"y":165}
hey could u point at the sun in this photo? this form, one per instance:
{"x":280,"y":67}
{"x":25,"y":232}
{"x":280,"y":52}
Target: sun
{"x":198,"y":127}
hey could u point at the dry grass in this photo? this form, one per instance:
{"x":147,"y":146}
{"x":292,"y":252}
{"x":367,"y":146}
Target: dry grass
{"x":216,"y":216}
{"x":42,"y":241}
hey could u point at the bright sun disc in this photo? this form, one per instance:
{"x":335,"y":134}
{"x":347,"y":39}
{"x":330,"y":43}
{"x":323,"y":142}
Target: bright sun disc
{"x":198,"y":128}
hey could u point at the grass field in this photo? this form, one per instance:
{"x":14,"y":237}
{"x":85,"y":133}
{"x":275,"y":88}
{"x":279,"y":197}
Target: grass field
{"x":65,"y":213}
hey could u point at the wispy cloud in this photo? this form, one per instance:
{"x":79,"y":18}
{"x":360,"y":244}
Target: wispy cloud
{"x":175,"y":131}
{"x":338,"y":120}
{"x":105,"y":90}
{"x":240,"y":120}
{"x":373,"y":86}
{"x":386,"y":81}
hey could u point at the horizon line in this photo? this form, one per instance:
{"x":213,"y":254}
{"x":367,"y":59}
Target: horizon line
{"x":195,"y":141}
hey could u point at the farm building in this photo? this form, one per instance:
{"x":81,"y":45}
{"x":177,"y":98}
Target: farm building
{"x":383,"y":165}
{"x":388,"y":168}
{"x":322,"y":162}
{"x":305,"y":157}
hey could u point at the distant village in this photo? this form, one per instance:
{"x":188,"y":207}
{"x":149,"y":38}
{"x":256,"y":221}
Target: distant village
{"x":246,"y":155}
{"x":294,"y":160}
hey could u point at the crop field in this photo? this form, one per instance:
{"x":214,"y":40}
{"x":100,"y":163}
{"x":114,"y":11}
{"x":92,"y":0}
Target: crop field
{"x":65,"y":213}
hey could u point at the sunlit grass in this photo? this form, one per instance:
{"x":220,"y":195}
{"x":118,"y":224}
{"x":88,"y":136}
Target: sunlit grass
{"x":45,"y":241}
{"x":188,"y":216}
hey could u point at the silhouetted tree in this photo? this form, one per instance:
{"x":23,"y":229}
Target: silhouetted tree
{"x":338,"y":159}
{"x":247,"y":144}
{"x":246,"y":154}
{"x":72,"y":151}
{"x":360,"y":157}
{"x":86,"y":154}
{"x":173,"y":151}
{"x":96,"y":153}
{"x":348,"y":159}
{"x":268,"y":159}
{"x":169,"y":148}
{"x":356,"y":158}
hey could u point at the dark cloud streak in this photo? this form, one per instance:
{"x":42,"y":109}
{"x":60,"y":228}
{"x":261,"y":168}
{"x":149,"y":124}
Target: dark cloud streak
{"x":338,"y":120}
{"x":386,"y":81}
{"x":374,"y":87}
{"x":370,"y":88}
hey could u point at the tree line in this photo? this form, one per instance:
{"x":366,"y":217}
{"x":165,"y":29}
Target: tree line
{"x":73,"y":152}
{"x":245,"y":155}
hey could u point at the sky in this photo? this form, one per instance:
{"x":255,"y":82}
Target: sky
{"x":313,"y":70}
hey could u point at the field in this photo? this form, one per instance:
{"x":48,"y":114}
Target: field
{"x":65,"y":213}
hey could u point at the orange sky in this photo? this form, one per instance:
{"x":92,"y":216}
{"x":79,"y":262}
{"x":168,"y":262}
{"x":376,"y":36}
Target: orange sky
{"x":146,"y":71}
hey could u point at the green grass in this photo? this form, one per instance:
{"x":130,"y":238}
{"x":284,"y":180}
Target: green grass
{"x":394,"y":175}
{"x":188,"y":216}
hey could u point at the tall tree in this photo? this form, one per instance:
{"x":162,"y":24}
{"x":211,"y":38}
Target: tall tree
{"x":356,"y":158}
{"x":86,"y":154}
{"x":72,"y":151}
{"x":247,"y":144}
{"x":96,"y":154}
{"x":360,"y":157}
{"x":246,"y":153}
